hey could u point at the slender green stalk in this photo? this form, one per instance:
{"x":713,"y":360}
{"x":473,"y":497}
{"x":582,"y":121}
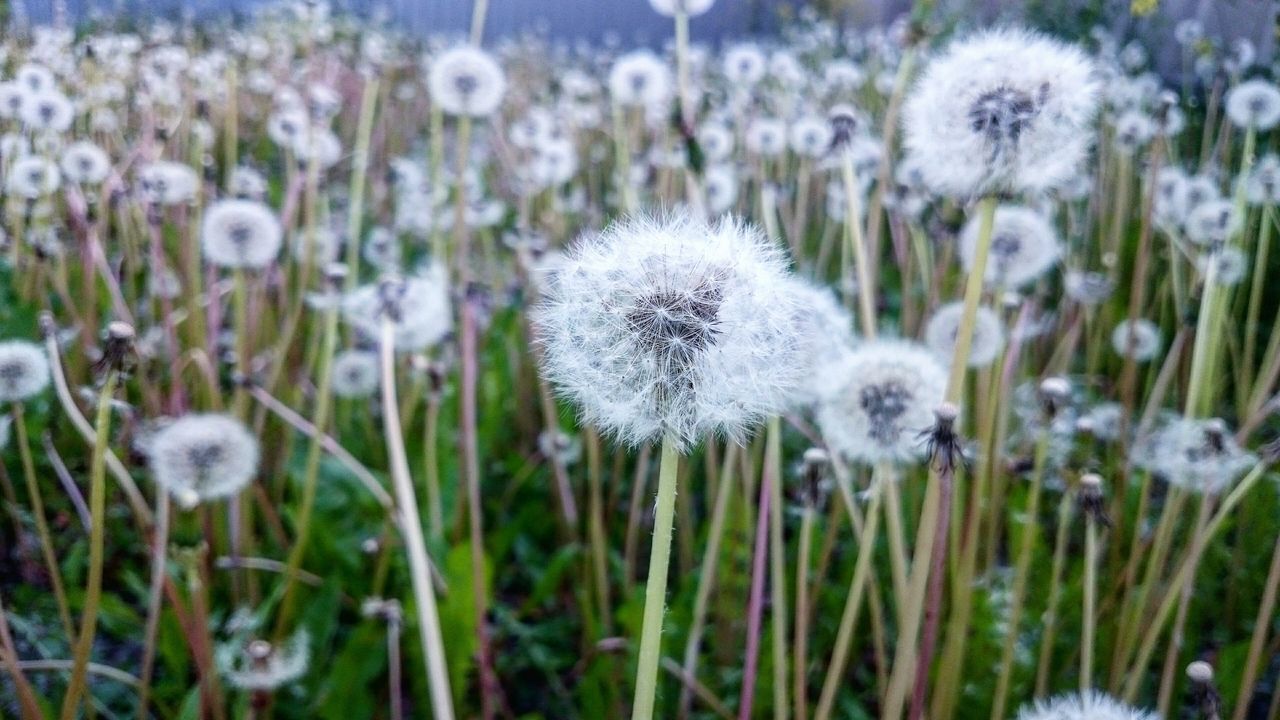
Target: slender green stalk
{"x":1049,"y":633}
{"x":801,"y":660}
{"x":97,"y":534}
{"x":595,"y":529}
{"x":777,"y":570}
{"x":1261,"y":627}
{"x":415,"y":543}
{"x":479,"y":12}
{"x":857,"y":243}
{"x":1090,"y":608}
{"x":155,"y":596}
{"x":42,"y":525}
{"x":359,"y":173}
{"x":655,"y":593}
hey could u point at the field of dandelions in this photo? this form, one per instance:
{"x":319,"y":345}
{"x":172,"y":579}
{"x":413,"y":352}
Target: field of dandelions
{"x":926,"y":371}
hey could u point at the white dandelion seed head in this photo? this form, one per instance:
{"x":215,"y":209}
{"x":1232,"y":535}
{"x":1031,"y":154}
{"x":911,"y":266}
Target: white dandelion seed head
{"x":32,"y":177}
{"x":841,"y":74}
{"x":720,"y":186}
{"x":317,"y":144}
{"x":420,"y":309}
{"x":323,"y":246}
{"x":810,"y":136}
{"x":1188,"y":32}
{"x":716,"y":141}
{"x":766,"y":137}
{"x":1001,"y":111}
{"x":1263,"y":184}
{"x":744,"y":64}
{"x":1088,"y":287}
{"x":1024,"y":246}
{"x":943,"y":327}
{"x":35,"y":77}
{"x":639,"y":78}
{"x":691,"y":8}
{"x":1093,"y":705}
{"x":203,"y":457}
{"x":240,"y":234}
{"x":382,"y":249}
{"x":247,"y":183}
{"x":257,"y":665}
{"x":1171,"y":202}
{"x":1133,"y":130}
{"x":167,"y":183}
{"x":466,"y":80}
{"x":672,"y":326}
{"x":284,"y":127}
{"x":830,"y":337}
{"x":882,"y":397}
{"x":355,"y":374}
{"x":1199,"y":456}
{"x":48,"y":110}
{"x":84,"y":163}
{"x":24,"y":370}
{"x":1104,"y":421}
{"x":1201,"y":189}
{"x":1229,"y":264}
{"x":1254,"y":104}
{"x":1139,"y":339}
{"x":559,"y":446}
{"x":1212,"y":223}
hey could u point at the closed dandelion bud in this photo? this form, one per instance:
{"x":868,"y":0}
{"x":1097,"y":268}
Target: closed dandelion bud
{"x":24,"y":370}
{"x":1090,"y":705}
{"x":1091,"y":499}
{"x":1001,"y":111}
{"x":240,"y":234}
{"x":198,"y":458}
{"x":673,"y":327}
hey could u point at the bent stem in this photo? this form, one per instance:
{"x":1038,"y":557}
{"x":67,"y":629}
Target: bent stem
{"x":97,"y":534}
{"x":655,"y":592}
{"x":415,"y":543}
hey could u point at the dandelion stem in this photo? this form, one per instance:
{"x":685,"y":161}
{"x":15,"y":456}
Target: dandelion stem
{"x":1055,"y":595}
{"x":42,"y":525}
{"x":155,"y":599}
{"x":861,"y":263}
{"x":777,"y":569}
{"x":1090,"y":608}
{"x":415,"y":543}
{"x":97,"y":535}
{"x":359,"y":173}
{"x":1261,"y":626}
{"x":656,"y":585}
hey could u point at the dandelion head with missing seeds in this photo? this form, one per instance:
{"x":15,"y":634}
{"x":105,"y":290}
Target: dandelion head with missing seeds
{"x":466,"y":81}
{"x":202,"y":457}
{"x":24,"y":370}
{"x":671,"y":327}
{"x":240,"y":234}
{"x":881,"y":397}
{"x":1001,"y":111}
{"x":1199,"y":456}
{"x":1092,"y":705}
{"x":255,"y":664}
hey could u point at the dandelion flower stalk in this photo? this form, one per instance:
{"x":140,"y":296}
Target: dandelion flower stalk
{"x":37,"y":513}
{"x":1261,"y":626}
{"x":1049,"y":634}
{"x":777,"y":570}
{"x":1092,"y":503}
{"x":655,"y":589}
{"x":359,"y":174}
{"x":119,"y":345}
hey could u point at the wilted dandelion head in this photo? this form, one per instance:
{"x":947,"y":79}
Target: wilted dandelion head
{"x":355,"y":374}
{"x":255,"y":664}
{"x":670,"y":326}
{"x":240,"y":234}
{"x":1254,"y":104}
{"x":691,"y":8}
{"x":24,"y":370}
{"x":1263,"y":185}
{"x":988,"y":334}
{"x":1092,"y":705}
{"x":84,"y":163}
{"x":418,"y":307}
{"x":881,"y":398}
{"x":32,"y":177}
{"x":466,"y":81}
{"x":1199,"y":456}
{"x":1212,"y":223}
{"x":203,"y":457}
{"x":1138,"y":339}
{"x":1001,"y":111}
{"x":639,"y":78}
{"x":1024,"y":246}
{"x":167,"y":183}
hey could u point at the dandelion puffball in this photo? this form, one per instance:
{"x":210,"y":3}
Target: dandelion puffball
{"x":1254,"y":104}
{"x":1138,"y":339}
{"x":203,"y":457}
{"x":988,"y":334}
{"x":882,"y":397}
{"x":466,"y":81}
{"x":422,"y":318}
{"x":240,"y":234}
{"x":1199,"y":456}
{"x":355,"y":374}
{"x":1089,"y":706}
{"x":673,"y":327}
{"x":24,"y":370}
{"x":1001,"y":111}
{"x":639,"y":78}
{"x":691,"y":8}
{"x":1024,"y":246}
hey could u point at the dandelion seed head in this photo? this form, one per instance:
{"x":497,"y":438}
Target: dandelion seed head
{"x":422,"y":315}
{"x":1024,"y":246}
{"x":1254,"y":104}
{"x":639,"y":78}
{"x":1001,"y":111}
{"x":882,"y":396}
{"x":355,"y":374}
{"x":202,"y":457}
{"x":744,"y":64}
{"x":24,"y":370}
{"x":32,"y":177}
{"x":1212,"y":223}
{"x":1263,"y":184}
{"x":671,"y":326}
{"x":1138,"y":339}
{"x":257,"y":665}
{"x":1088,"y":287}
{"x":716,"y":141}
{"x":47,"y":111}
{"x":810,"y":136}
{"x":1092,"y":705}
{"x":84,"y":163}
{"x":467,"y":81}
{"x":1229,"y":264}
{"x":691,"y":8}
{"x":720,"y":186}
{"x":167,"y":183}
{"x":830,"y":337}
{"x":944,"y":325}
{"x":766,"y":137}
{"x":1199,"y":456}
{"x":240,"y":234}
{"x":1133,"y":130}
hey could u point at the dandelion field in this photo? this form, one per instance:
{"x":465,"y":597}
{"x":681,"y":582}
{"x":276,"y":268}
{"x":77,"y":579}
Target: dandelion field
{"x":922,"y":371}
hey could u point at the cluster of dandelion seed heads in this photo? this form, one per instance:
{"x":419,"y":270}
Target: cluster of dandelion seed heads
{"x":673,"y":327}
{"x":202,"y":457}
{"x":1001,"y":111}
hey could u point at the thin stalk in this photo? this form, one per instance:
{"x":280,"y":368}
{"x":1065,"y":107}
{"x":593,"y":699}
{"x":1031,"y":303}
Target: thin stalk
{"x":801,"y":660}
{"x":595,"y":528}
{"x":755,"y":603}
{"x":359,"y":172}
{"x":778,"y":569}
{"x":1261,"y":627}
{"x":1055,"y":596}
{"x":1090,"y":608}
{"x":655,"y":594}
{"x":1165,"y":694}
{"x":155,"y":598}
{"x":857,"y":243}
{"x":1256,"y":287}
{"x":415,"y":543}
{"x":97,"y":535}
{"x":42,"y":525}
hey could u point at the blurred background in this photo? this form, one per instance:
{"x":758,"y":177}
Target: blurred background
{"x":633,"y":21}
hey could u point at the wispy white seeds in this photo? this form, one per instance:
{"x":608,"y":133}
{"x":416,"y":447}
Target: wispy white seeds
{"x":355,"y":374}
{"x":198,"y":458}
{"x":253,"y":664}
{"x":1089,"y":706}
{"x":24,"y":370}
{"x":466,"y":81}
{"x":240,"y":234}
{"x":1200,"y":456}
{"x":988,"y":334}
{"x":420,"y":310}
{"x":639,"y":78}
{"x":1024,"y":246}
{"x":1139,"y":339}
{"x":1254,"y":104}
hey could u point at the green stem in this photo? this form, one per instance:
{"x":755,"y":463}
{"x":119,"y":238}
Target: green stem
{"x":1055,"y":596}
{"x":655,"y":592}
{"x":777,"y":570}
{"x":1090,"y":601}
{"x":42,"y":526}
{"x":359,"y":171}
